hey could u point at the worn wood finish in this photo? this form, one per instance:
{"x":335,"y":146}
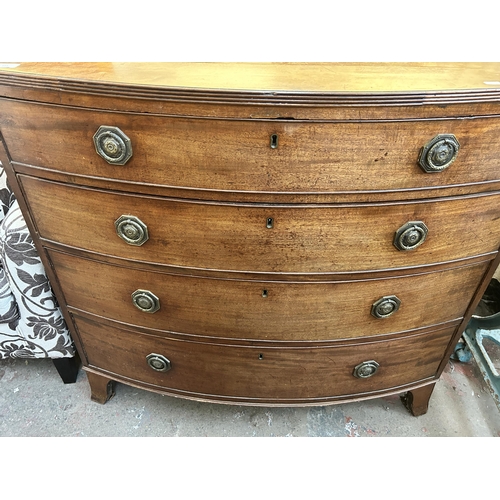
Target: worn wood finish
{"x":226,"y":155}
{"x":102,"y":388}
{"x":261,"y":374}
{"x":288,"y":311}
{"x":246,"y":276}
{"x":235,"y":237}
{"x":16,"y":188}
{"x":417,"y":400}
{"x":293,"y":77}
{"x":258,"y":197}
{"x":204,"y":179}
{"x":333,"y":108}
{"x":296,"y":90}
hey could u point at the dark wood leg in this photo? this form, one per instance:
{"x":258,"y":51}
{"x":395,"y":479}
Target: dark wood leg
{"x":417,"y":401}
{"x":68,"y":368}
{"x":102,"y":388}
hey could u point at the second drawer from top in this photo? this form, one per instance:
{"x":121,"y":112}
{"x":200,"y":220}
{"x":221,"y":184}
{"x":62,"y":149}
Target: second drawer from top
{"x":277,"y":239}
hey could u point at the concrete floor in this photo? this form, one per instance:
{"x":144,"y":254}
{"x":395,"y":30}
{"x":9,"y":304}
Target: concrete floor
{"x":35,"y":402}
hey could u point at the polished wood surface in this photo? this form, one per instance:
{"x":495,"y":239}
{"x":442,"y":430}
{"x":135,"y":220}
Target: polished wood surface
{"x":251,"y":314}
{"x":235,"y":237}
{"x":262,"y":374}
{"x":252,"y":91}
{"x":301,"y":312}
{"x":227,"y":155}
{"x":296,"y":77}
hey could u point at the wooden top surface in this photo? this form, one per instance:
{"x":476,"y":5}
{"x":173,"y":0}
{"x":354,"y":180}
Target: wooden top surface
{"x":267,"y":77}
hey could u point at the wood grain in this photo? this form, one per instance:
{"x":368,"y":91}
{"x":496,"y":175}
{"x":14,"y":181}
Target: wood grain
{"x":374,"y":196}
{"x":263,"y":77}
{"x":204,"y":179}
{"x":289,"y":311}
{"x":225,"y":155}
{"x":232,"y":237}
{"x":259,"y":374}
{"x":285,"y":91}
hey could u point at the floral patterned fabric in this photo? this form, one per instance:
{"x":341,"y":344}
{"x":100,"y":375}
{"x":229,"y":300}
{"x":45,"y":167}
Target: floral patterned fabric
{"x":31,"y":323}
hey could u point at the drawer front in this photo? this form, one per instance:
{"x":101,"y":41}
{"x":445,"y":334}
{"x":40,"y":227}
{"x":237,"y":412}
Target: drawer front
{"x":265,"y":310}
{"x":280,"y":239}
{"x":237,"y":155}
{"x":270,"y":374}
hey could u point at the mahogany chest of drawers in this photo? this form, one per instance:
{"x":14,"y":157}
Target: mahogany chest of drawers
{"x":260,"y":234}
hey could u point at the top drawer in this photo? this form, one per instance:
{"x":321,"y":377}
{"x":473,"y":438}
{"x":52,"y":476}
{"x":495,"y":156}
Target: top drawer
{"x":242,"y":155}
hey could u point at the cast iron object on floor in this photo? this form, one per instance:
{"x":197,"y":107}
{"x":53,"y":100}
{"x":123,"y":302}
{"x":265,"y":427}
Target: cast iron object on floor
{"x":487,"y":328}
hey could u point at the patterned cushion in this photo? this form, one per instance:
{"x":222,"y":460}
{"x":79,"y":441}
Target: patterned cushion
{"x":31,"y":323}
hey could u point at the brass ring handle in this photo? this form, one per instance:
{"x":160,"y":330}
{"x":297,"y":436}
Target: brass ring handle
{"x":366,"y":369}
{"x":113,"y":145}
{"x":146,"y":301}
{"x":158,"y":362}
{"x":385,"y":306}
{"x":132,"y":230}
{"x":410,"y":235}
{"x":439,"y":153}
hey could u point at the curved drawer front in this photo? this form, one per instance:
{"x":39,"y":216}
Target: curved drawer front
{"x":281,"y":239}
{"x":237,"y":155}
{"x":266,"y":310}
{"x":225,"y":372}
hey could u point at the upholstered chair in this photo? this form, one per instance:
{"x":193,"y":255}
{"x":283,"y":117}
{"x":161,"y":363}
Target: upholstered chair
{"x":31,"y":323}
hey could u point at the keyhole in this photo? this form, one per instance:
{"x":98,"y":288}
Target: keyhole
{"x":269,"y":223}
{"x":274,"y":141}
{"x":261,"y":356}
{"x":264,"y":293}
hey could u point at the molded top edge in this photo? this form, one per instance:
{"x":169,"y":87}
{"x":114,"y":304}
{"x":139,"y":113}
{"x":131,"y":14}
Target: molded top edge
{"x":263,"y":78}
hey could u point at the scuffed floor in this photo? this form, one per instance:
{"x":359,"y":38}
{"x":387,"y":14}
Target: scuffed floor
{"x":35,"y":402}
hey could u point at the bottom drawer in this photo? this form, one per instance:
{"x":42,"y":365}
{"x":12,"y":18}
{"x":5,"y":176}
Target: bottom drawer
{"x":241,"y":373}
